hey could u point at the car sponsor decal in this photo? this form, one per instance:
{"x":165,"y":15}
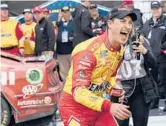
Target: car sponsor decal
{"x":34,"y":76}
{"x":46,"y":100}
{"x":30,"y":90}
{"x":5,"y":76}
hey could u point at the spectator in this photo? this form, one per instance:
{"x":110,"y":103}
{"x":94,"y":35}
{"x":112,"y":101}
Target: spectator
{"x":129,"y":5}
{"x":46,"y":13}
{"x":154,"y":30}
{"x":164,"y":7}
{"x":11,"y":34}
{"x":28,"y":29}
{"x":98,"y":22}
{"x":45,"y":37}
{"x":64,"y":41}
{"x":163,"y":69}
{"x":81,"y":23}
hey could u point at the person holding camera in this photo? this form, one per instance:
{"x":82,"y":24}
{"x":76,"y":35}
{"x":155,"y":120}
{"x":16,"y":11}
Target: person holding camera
{"x":136,"y":80}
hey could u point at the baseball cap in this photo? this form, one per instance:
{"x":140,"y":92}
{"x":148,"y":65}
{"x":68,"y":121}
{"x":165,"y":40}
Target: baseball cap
{"x":155,"y":4}
{"x":4,"y":6}
{"x":65,"y":8}
{"x":27,"y":10}
{"x":120,"y":14}
{"x":127,"y":2}
{"x":93,"y":6}
{"x":46,"y":10}
{"x":37,"y":9}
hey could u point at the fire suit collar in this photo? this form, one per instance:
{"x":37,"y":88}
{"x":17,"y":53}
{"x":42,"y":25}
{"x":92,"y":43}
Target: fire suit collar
{"x":108,"y":44}
{"x":5,"y":20}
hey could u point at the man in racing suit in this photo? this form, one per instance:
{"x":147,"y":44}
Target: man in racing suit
{"x":93,"y":70}
{"x":11,"y":33}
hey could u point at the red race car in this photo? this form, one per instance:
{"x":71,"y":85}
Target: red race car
{"x":30,"y":88}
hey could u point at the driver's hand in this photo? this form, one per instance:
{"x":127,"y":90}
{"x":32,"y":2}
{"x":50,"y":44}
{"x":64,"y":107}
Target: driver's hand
{"x":120,"y":111}
{"x":21,"y":50}
{"x":121,"y":99}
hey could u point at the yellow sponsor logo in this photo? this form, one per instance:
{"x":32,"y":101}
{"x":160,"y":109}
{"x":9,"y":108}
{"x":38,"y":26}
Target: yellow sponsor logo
{"x":73,"y":122}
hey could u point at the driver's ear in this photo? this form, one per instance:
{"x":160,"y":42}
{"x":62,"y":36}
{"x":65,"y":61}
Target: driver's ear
{"x":109,"y":23}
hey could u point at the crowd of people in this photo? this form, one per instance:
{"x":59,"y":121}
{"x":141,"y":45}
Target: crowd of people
{"x":94,"y":52}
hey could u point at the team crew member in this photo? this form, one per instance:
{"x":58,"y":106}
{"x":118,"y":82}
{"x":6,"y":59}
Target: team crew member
{"x":93,"y":70}
{"x":11,"y":34}
{"x":28,"y":29}
{"x":44,"y":31}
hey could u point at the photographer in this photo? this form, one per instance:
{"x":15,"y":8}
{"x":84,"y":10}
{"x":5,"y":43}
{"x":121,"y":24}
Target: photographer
{"x":138,"y":85}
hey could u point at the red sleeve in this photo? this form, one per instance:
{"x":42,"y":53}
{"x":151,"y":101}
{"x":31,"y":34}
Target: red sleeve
{"x":32,"y":38}
{"x":106,"y":106}
{"x":18,"y":31}
{"x":83,"y":65}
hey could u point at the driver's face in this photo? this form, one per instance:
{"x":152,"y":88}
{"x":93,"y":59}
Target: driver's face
{"x":121,"y":29}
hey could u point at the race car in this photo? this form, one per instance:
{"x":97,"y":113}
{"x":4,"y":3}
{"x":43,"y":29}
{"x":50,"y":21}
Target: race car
{"x":30,"y":88}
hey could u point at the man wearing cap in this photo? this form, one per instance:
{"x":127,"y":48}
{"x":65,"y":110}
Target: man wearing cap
{"x":28,"y":29}
{"x":46,"y":13}
{"x":94,"y":66}
{"x":44,"y":31}
{"x":11,"y":34}
{"x":154,"y":30}
{"x":64,"y":41}
{"x":81,"y":23}
{"x":129,"y":5}
{"x":98,"y":22}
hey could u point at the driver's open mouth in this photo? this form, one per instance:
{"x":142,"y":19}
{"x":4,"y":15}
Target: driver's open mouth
{"x":124,"y":32}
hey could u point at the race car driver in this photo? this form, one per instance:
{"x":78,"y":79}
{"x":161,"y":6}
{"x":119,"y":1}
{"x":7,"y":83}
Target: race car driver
{"x":94,"y":66}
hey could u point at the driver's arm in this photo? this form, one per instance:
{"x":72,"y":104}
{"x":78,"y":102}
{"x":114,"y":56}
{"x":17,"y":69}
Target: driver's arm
{"x":83,"y":64}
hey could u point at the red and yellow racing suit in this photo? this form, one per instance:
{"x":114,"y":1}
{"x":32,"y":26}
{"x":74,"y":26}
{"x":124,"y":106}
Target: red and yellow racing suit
{"x":29,"y":34}
{"x":11,"y":36}
{"x":93,"y":70}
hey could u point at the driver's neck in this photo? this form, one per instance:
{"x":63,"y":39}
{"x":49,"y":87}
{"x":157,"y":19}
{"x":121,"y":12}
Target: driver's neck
{"x":114,"y":44}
